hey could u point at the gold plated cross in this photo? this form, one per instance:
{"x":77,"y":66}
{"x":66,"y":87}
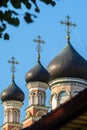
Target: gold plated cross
{"x":39,"y":48}
{"x":13,"y":69}
{"x":69,"y":24}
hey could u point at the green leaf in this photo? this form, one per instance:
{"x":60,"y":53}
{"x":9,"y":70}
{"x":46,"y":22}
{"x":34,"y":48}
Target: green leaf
{"x":6,"y":36}
{"x":0,"y":3}
{"x":14,"y":21}
{"x":13,"y":12}
{"x":7,"y":15}
{"x":0,"y":35}
{"x":26,"y":3}
{"x":28,"y":18}
{"x":4,"y":3}
{"x":11,"y":20}
{"x":53,"y":3}
{"x":1,"y":15}
{"x":16,"y":3}
{"x":2,"y":27}
{"x":34,"y":1}
{"x":37,"y":9}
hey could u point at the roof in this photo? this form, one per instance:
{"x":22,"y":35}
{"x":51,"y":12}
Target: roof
{"x":69,"y":63}
{"x":37,"y":73}
{"x":71,"y":115}
{"x":12,"y":92}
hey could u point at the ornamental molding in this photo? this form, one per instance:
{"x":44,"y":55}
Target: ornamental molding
{"x":30,"y":118}
{"x":68,"y":81}
{"x":34,"y":88}
{"x":12,"y":124}
{"x":12,"y":104}
{"x":37,"y":84}
{"x":37,"y":107}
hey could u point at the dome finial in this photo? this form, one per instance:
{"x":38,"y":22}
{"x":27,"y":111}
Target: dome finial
{"x":69,"y":24}
{"x":39,"y":49}
{"x":13,"y":69}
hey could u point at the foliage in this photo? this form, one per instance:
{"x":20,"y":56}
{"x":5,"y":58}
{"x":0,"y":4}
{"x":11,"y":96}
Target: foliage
{"x":11,"y":16}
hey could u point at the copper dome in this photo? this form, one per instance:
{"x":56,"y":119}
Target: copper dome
{"x":69,"y":63}
{"x":37,"y":73}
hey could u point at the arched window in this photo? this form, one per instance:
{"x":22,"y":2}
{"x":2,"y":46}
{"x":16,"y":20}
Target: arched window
{"x":54,"y":101}
{"x":75,"y":92}
{"x":63,"y":96}
{"x":15,"y":119}
{"x":40,"y":98}
{"x":34,"y":98}
{"x":43,"y":99}
{"x":31,"y":98}
{"x":9,"y":117}
{"x":6,"y":117}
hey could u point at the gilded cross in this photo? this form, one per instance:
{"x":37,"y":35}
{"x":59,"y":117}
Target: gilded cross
{"x":39,"y":48}
{"x":13,"y":69}
{"x":69,"y":24}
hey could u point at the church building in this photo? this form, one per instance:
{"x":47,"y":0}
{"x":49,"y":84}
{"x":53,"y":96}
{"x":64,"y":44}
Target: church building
{"x":65,"y":76}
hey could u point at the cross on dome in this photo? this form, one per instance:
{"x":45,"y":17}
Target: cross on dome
{"x":39,"y":48}
{"x":69,"y":24}
{"x":13,"y":69}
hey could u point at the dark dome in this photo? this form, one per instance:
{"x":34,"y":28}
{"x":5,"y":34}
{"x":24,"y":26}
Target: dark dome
{"x":37,"y":73}
{"x":69,"y":63}
{"x":12,"y":92}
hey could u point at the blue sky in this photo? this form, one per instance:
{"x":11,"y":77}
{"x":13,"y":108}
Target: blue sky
{"x":22,"y":47}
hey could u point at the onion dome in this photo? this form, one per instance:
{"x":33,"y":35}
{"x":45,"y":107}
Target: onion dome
{"x":12,"y":92}
{"x":69,"y":63}
{"x":37,"y":73}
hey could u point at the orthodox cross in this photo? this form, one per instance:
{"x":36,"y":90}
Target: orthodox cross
{"x":69,"y":24}
{"x":39,"y":48}
{"x":13,"y":69}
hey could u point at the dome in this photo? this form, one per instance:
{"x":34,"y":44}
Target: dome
{"x":37,"y":73}
{"x":12,"y":92}
{"x":69,"y":63}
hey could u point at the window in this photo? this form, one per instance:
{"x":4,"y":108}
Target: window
{"x":34,"y":98}
{"x":43,"y":99}
{"x":9,"y":116}
{"x":75,"y":93}
{"x":31,"y":98}
{"x":40,"y":98}
{"x":63,"y":96}
{"x":15,"y":116}
{"x":54,"y":101}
